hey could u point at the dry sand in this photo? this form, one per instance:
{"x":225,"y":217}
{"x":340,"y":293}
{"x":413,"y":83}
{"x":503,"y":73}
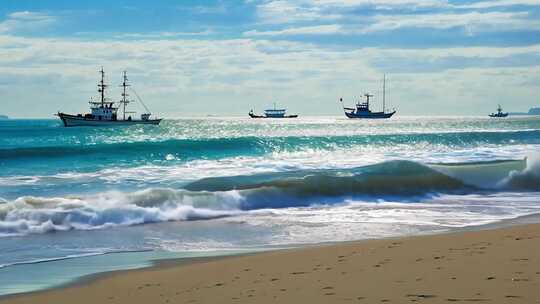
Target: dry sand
{"x":492,"y":266}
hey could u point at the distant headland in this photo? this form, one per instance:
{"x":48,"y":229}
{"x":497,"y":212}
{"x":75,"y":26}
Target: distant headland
{"x":3,"y":117}
{"x":532,"y":111}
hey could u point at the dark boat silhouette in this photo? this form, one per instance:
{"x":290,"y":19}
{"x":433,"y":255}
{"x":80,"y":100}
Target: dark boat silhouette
{"x":362,"y":109}
{"x":499,"y":113}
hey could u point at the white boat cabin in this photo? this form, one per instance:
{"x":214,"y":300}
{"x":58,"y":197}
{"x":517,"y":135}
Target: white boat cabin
{"x":274,"y":112}
{"x":103,"y":111}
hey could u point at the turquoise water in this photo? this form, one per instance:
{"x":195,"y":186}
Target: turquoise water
{"x":86,"y":196}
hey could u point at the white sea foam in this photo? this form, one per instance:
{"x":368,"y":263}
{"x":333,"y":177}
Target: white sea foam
{"x":529,"y":178}
{"x":355,"y":219}
{"x":40,"y":215}
{"x":279,"y":161}
{"x":30,"y":215}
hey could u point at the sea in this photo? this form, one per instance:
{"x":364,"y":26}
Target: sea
{"x":79,"y":201}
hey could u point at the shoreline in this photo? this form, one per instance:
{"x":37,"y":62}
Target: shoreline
{"x":160,"y":269}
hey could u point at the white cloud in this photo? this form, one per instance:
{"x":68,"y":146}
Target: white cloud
{"x":382,"y":3}
{"x":282,"y":11}
{"x":179,"y":77}
{"x":497,"y":3}
{"x":26,"y":21}
{"x":219,"y":8}
{"x":313,"y":15}
{"x":306,"y":30}
{"x":162,"y":35}
{"x":473,"y":21}
{"x":290,"y":11}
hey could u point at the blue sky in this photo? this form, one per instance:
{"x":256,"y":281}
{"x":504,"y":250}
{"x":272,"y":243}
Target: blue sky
{"x":226,"y":57}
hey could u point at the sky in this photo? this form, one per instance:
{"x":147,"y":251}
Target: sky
{"x":218,"y":57}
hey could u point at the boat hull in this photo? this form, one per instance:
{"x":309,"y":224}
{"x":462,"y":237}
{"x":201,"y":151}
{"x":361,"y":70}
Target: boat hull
{"x":370,"y":115}
{"x":261,"y":116}
{"x":498,"y":115}
{"x":79,"y":121}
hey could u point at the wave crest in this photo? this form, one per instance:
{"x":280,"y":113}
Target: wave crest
{"x":39,"y":215}
{"x":527,"y":179}
{"x":225,"y":196}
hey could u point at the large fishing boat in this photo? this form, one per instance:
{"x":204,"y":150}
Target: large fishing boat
{"x":499,"y":113}
{"x":362,"y":109}
{"x":272,"y":113}
{"x":105,"y":112}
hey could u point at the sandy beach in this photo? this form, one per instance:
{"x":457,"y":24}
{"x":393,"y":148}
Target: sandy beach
{"x":491,"y":266}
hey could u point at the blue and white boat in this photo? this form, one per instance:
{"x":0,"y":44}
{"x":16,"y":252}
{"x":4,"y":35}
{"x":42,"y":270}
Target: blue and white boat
{"x":273,"y":113}
{"x":362,"y":109}
{"x":499,"y":113}
{"x":105,"y":112}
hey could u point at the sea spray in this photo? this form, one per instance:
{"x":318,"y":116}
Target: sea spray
{"x":527,"y":179}
{"x":211,"y":198}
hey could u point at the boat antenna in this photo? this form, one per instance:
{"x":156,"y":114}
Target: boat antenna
{"x":384,"y":94}
{"x":101,"y":87}
{"x":140,"y":100}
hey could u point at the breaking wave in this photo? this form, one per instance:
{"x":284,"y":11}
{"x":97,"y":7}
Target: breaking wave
{"x":211,"y":198}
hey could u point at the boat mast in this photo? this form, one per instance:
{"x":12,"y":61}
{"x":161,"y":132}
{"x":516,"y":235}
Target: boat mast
{"x":124,"y":94}
{"x":384,"y":94}
{"x":101,"y":87}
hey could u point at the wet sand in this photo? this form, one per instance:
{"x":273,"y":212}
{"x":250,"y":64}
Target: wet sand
{"x":491,"y":266}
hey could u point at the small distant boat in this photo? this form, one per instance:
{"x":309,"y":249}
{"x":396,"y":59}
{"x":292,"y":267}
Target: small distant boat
{"x":105,"y":112}
{"x":362,"y":109}
{"x":272,"y":113}
{"x":499,"y":113}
